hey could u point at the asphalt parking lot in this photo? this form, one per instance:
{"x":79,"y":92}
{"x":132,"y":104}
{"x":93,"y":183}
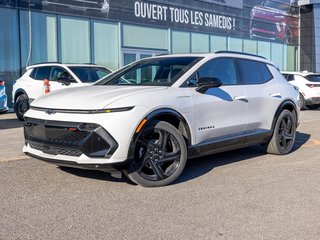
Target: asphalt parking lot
{"x":243,"y":194}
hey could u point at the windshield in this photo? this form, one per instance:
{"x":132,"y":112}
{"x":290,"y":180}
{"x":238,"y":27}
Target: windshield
{"x":278,"y":5}
{"x":89,"y":74}
{"x":313,"y":78}
{"x":153,"y":71}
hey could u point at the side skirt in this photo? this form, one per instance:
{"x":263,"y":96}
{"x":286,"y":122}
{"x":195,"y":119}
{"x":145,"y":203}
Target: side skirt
{"x":222,"y":145}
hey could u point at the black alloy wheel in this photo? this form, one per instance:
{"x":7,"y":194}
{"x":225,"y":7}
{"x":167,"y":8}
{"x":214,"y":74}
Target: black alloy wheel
{"x":284,"y":134}
{"x":160,"y":156}
{"x":21,"y":106}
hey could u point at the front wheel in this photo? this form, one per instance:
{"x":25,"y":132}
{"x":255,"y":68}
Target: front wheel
{"x":284,"y":134}
{"x":21,"y":106}
{"x":160,"y":156}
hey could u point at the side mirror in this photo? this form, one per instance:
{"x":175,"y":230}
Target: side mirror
{"x":64,"y":81}
{"x":206,"y":83}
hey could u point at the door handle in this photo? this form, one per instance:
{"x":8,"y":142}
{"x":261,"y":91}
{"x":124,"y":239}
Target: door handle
{"x":241,"y":98}
{"x":276,"y":95}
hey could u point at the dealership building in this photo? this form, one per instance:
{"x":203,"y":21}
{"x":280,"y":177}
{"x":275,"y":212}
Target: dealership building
{"x":117,"y":32}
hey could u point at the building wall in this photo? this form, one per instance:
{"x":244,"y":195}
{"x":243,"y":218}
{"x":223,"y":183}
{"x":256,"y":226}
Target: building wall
{"x":50,"y":33}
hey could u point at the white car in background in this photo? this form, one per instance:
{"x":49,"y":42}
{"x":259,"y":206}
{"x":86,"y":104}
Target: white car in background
{"x":309,"y":87}
{"x":31,"y":85}
{"x":147,"y":118}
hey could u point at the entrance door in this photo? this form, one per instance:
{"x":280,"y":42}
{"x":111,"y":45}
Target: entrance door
{"x":130,"y":55}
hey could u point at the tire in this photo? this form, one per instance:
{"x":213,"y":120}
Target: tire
{"x":302,"y":102}
{"x":314,"y":107}
{"x":160,"y":156}
{"x":21,"y":106}
{"x":284,"y":134}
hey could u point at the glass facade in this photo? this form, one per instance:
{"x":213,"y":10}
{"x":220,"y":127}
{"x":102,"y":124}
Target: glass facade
{"x":9,"y":49}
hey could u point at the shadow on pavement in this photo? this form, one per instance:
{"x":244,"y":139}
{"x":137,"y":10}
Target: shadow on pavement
{"x":198,"y":166}
{"x":10,"y":123}
{"x":97,"y":175}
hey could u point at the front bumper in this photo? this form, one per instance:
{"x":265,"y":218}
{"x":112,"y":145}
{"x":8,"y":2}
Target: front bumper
{"x":83,"y":148}
{"x":69,"y":138}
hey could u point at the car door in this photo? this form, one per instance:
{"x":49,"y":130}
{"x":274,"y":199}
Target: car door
{"x":220,"y":113}
{"x":263,"y":92}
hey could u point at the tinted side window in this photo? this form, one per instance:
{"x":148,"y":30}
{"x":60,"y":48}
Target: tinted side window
{"x":290,"y":77}
{"x":220,"y":68}
{"x":43,"y":73}
{"x":254,"y":72}
{"x":33,"y":73}
{"x":59,"y":72}
{"x":266,"y":74}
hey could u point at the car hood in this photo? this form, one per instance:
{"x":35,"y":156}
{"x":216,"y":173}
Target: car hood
{"x":89,"y":97}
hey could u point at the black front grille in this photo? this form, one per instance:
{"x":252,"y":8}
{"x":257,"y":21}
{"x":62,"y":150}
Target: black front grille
{"x":54,"y":135}
{"x":264,"y":25}
{"x":69,"y":138}
{"x":61,"y":151}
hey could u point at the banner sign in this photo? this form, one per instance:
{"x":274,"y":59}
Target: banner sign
{"x":274,"y":20}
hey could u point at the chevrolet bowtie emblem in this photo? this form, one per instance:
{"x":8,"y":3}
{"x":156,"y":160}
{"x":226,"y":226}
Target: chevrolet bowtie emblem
{"x":50,"y":111}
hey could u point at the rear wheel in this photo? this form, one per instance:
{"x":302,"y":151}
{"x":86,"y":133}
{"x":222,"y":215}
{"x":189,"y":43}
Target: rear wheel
{"x":21,"y":106}
{"x":160,"y":156}
{"x":314,"y":107}
{"x":284,"y":134}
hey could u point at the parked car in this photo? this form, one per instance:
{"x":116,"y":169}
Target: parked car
{"x":277,"y":20}
{"x":147,"y":118}
{"x":309,"y":87}
{"x":31,"y":86}
{"x":3,"y":98}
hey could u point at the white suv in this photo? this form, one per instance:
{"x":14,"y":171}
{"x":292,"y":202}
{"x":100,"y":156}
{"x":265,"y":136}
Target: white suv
{"x":147,"y":118}
{"x":31,"y":86}
{"x":309,"y":87}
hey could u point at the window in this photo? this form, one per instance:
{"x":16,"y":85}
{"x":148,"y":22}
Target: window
{"x":265,"y":72}
{"x":44,"y":45}
{"x":313,"y":78}
{"x":222,"y":68}
{"x":74,"y":40}
{"x":264,"y":49}
{"x":145,"y":37}
{"x":218,"y":43}
{"x":43,"y":73}
{"x":254,"y":72}
{"x":89,"y":74}
{"x":235,"y":44}
{"x":33,"y":73}
{"x":180,"y":42}
{"x":277,"y":54}
{"x":250,"y":46}
{"x":200,"y":43}
{"x":106,"y":44}
{"x":151,"y":72}
{"x":59,"y":72}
